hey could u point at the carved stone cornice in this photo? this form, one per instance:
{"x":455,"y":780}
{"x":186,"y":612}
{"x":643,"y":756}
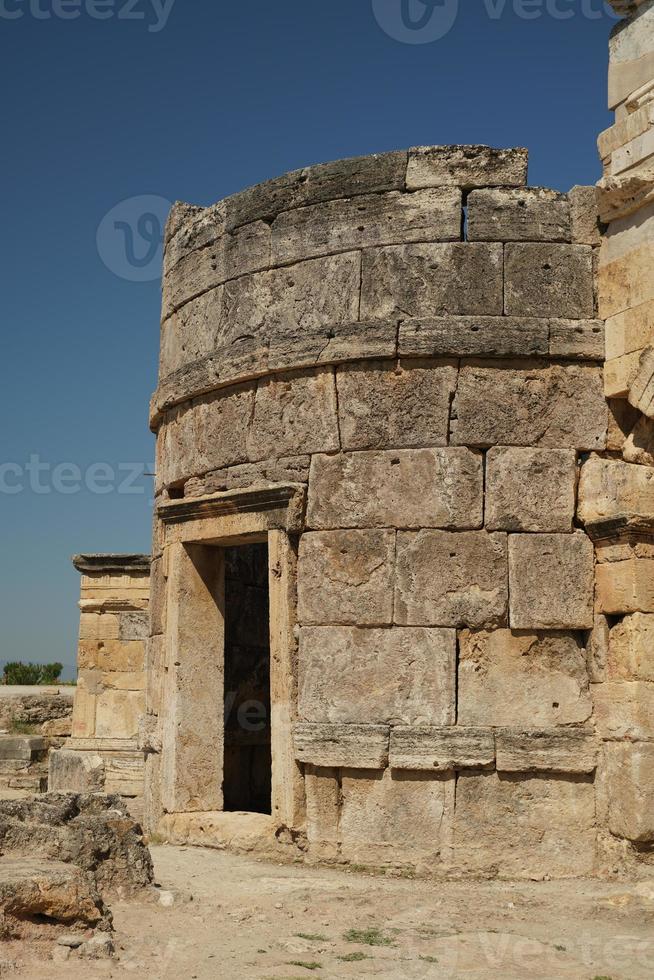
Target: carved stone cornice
{"x":101,"y":564}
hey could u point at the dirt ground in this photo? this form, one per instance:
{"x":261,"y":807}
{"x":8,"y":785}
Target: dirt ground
{"x":237,"y":917}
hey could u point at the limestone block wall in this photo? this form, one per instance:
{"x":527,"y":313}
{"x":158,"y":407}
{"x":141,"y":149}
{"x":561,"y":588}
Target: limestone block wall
{"x":411,"y":343}
{"x":103,"y":753}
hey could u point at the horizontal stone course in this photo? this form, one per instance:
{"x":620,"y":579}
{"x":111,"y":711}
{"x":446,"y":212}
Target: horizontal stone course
{"x":531,"y":214}
{"x":342,"y":746}
{"x":441,"y":749}
{"x":472,"y":336}
{"x":413,"y":488}
{"x":361,"y":222}
{"x":553,"y":750}
{"x":466,"y":166}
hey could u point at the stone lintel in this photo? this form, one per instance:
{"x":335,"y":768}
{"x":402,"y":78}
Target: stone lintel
{"x":286,"y":498}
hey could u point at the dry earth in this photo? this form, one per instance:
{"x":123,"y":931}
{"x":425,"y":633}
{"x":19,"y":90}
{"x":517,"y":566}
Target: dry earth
{"x":236,"y":917}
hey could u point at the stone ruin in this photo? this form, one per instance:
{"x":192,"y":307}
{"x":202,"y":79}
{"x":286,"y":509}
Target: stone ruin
{"x":404,"y":520}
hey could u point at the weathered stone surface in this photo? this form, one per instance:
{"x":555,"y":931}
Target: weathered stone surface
{"x":375,"y":676}
{"x":626,"y":283}
{"x":580,"y":340}
{"x":624,"y":710}
{"x":91,"y":831}
{"x":549,"y":280}
{"x":619,"y":373}
{"x":117,"y":713}
{"x":638,"y":447}
{"x":631,"y":649}
{"x":323,"y":794}
{"x":323,"y":182}
{"x":510,"y":826}
{"x":622,"y":419}
{"x":364,"y":221}
{"x":530,"y":680}
{"x":469,"y":336}
{"x":442,"y":749}
{"x":350,"y":746}
{"x":466,"y":166}
{"x":641,"y":388}
{"x":412,"y":488}
{"x":333,"y":344}
{"x":34,"y":891}
{"x":33,"y":709}
{"x":382,"y":406}
{"x":625,"y":586}
{"x":111,"y":655}
{"x":426,"y":280}
{"x":610,"y":488}
{"x":584,"y":215}
{"x":396,"y":816}
{"x":346,"y":577}
{"x":75,"y":772}
{"x":546,"y":751}
{"x":556,"y":405}
{"x":629,"y":331}
{"x":451,"y":579}
{"x":630,"y":782}
{"x":631,"y":54}
{"x":551,"y":581}
{"x":294,"y":414}
{"x":597,"y":650}
{"x":301,"y":297}
{"x":530,"y":489}
{"x":23,"y":747}
{"x":530,"y":214}
{"x":286,"y":469}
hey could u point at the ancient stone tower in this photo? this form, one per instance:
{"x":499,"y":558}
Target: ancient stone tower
{"x":401,"y":590}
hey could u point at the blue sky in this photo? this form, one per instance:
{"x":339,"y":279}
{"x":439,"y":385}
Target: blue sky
{"x":193,"y":100}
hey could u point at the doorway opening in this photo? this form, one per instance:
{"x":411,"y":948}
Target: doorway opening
{"x":247,"y":774}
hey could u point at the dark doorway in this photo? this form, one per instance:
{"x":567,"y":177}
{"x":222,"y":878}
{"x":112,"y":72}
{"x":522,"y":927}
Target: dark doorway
{"x":247,"y":766}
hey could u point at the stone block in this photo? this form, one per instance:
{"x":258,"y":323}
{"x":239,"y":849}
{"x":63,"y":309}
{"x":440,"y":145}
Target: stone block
{"x":626,"y":282}
{"x":383,"y":406}
{"x":546,"y":751}
{"x":406,"y":488}
{"x":597,"y":650}
{"x":325,"y":182}
{"x":511,"y":826}
{"x":346,"y":577}
{"x":350,"y":746}
{"x":641,"y":389}
{"x":294,"y":414}
{"x":545,"y":405}
{"x":470,"y":336}
{"x":323,"y":810}
{"x":629,"y":331}
{"x":549,"y":280}
{"x":111,"y":655}
{"x":377,"y":676}
{"x":530,"y":489}
{"x":584,"y":215}
{"x":426,"y":280}
{"x":551,"y":581}
{"x":466,"y":167}
{"x":631,"y":50}
{"x":302,"y":297}
{"x":75,"y":772}
{"x":629,"y":774}
{"x":23,"y":748}
{"x":396,"y":816}
{"x":360,"y":222}
{"x":118,"y":714}
{"x":99,"y":626}
{"x":628,"y":128}
{"x":286,"y":469}
{"x":610,"y":488}
{"x":619,"y":373}
{"x":534,"y":680}
{"x":625,"y":586}
{"x":624,"y":710}
{"x":84,"y":709}
{"x":579,"y":340}
{"x":442,"y":749}
{"x":451,"y":579}
{"x":631,"y":649}
{"x":638,"y":447}
{"x":528,"y":214}
{"x":622,"y":419}
{"x":333,"y":344}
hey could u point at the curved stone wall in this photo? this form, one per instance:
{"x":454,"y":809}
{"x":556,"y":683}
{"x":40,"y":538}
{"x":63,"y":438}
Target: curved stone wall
{"x":411,"y":341}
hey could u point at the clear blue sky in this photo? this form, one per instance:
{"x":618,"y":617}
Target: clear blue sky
{"x":218,"y":96}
